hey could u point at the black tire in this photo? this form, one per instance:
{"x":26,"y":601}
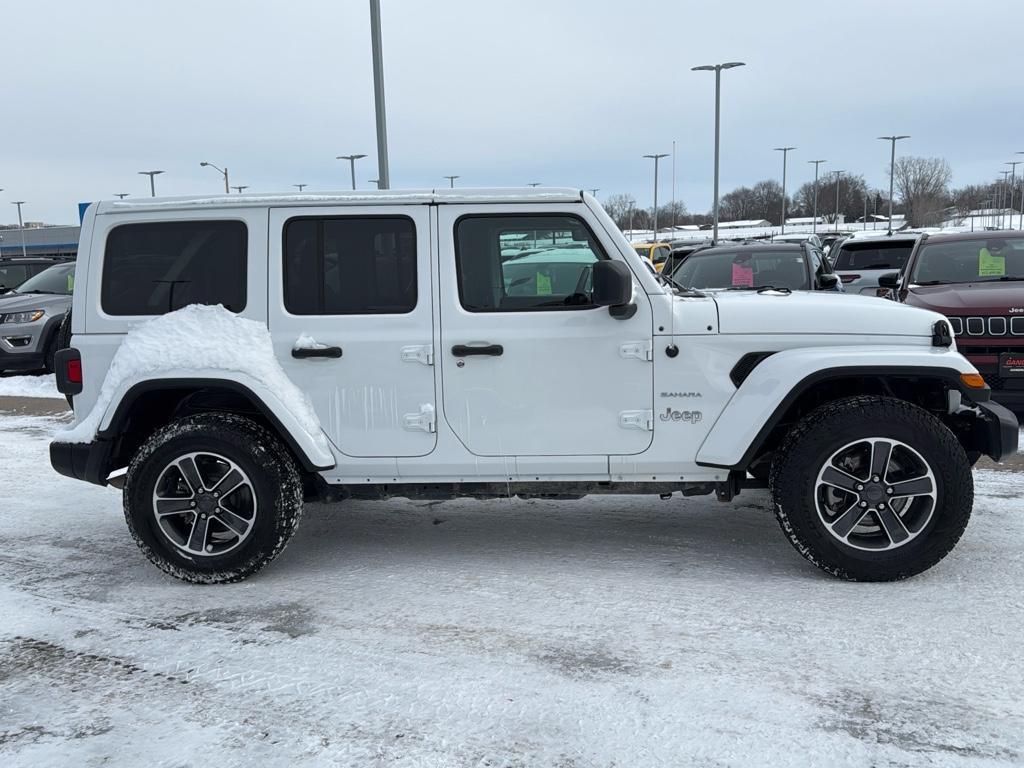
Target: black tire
{"x":274,"y":485}
{"x":809,"y":448}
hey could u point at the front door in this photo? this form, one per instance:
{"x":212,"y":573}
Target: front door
{"x":530,"y":367}
{"x":350,"y":315}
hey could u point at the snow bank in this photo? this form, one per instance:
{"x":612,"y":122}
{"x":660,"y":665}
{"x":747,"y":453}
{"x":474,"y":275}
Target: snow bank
{"x":204,"y":338}
{"x":29,"y":386}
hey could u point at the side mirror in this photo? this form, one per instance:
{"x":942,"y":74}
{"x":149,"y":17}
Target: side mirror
{"x":828,"y":281}
{"x":889,"y":280}
{"x":613,"y":283}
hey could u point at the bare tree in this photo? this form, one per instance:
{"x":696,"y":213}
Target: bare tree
{"x":923,"y":183}
{"x":618,"y":207}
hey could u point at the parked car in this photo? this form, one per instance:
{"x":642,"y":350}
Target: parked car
{"x":681,"y":251}
{"x":656,"y":253}
{"x":30,"y":318}
{"x":862,"y":258}
{"x":232,"y":357}
{"x":976,"y":279}
{"x":15,"y":270}
{"x":798,"y":237}
{"x":796,"y":266}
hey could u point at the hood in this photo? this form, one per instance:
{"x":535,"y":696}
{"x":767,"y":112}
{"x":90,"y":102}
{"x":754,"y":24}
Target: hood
{"x":22,"y":302}
{"x":818,"y":312}
{"x":970,"y":298}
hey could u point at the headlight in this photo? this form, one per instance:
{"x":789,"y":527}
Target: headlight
{"x":23,"y":317}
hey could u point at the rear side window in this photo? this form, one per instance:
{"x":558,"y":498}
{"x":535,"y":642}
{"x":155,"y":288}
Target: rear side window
{"x":157,"y":267}
{"x":12,"y":275}
{"x":873,"y":255}
{"x":350,"y":265}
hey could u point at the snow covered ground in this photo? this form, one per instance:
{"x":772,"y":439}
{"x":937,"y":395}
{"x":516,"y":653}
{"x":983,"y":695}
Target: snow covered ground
{"x":615,"y":631}
{"x":28,"y":385}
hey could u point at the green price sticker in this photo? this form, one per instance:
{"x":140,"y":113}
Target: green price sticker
{"x":543,"y":285}
{"x":989,"y":265}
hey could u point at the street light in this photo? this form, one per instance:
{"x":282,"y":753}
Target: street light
{"x":1013,"y":183}
{"x":892,"y":170}
{"x":838,"y":176}
{"x":21,"y":225}
{"x":352,"y":165}
{"x":785,"y":153}
{"x":152,"y":186}
{"x":300,"y":186}
{"x":717,"y":69}
{"x":374,"y":181}
{"x":223,"y":172}
{"x":240,"y":188}
{"x":814,"y":224}
{"x":451,"y":181}
{"x":594,"y":191}
{"x":656,"y":158}
{"x":533,"y":184}
{"x":383,"y":175}
{"x":1002,"y":201}
{"x":120,"y":195}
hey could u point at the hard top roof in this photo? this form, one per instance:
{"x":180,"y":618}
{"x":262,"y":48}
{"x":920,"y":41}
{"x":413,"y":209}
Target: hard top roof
{"x":358,"y":197}
{"x":981,"y":234}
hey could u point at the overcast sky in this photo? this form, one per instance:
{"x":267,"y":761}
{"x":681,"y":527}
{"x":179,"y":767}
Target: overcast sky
{"x":501,"y":93}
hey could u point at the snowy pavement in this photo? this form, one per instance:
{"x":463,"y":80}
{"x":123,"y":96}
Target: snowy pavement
{"x":614,"y":631}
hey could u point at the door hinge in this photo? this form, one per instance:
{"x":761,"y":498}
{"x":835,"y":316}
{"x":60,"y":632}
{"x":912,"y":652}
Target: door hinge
{"x":421,"y":353}
{"x":637,"y":420}
{"x":641,"y":350}
{"x":423,"y":420}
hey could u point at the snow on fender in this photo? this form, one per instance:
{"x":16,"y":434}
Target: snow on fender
{"x":211,"y":340}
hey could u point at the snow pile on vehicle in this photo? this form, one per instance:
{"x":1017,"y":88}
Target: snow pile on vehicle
{"x":198,"y":337}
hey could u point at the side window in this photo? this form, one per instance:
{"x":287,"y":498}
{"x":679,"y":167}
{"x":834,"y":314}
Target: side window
{"x":12,"y":275}
{"x":524,"y":263}
{"x":156,"y":267}
{"x":350,"y":265}
{"x":817,"y":263}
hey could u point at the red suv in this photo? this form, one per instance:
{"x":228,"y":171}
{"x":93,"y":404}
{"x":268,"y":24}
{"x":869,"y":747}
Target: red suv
{"x":976,"y":279}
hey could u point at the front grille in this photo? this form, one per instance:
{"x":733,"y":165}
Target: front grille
{"x":988,"y":326}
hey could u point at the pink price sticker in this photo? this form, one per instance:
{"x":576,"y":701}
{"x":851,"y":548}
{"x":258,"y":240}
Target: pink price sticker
{"x":743,"y":274}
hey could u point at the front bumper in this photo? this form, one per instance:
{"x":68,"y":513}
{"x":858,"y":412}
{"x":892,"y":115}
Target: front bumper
{"x":1000,"y":430}
{"x":23,"y":345}
{"x":82,"y":461}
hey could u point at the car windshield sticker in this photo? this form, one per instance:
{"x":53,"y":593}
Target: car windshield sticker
{"x":742,"y":274}
{"x":989,"y":265}
{"x":543,"y":285}
{"x":71,"y":282}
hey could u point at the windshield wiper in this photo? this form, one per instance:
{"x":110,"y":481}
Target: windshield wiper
{"x":1003,"y":279}
{"x":48,"y":293}
{"x":681,"y":288}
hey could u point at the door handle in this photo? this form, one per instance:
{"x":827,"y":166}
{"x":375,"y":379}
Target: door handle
{"x":303,"y":353}
{"x":465,"y":350}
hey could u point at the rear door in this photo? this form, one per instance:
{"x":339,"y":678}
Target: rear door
{"x":351,"y":320}
{"x":530,"y":366}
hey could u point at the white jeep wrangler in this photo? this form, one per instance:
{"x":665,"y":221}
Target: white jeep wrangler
{"x":491,"y":343}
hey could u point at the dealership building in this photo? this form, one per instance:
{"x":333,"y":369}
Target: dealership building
{"x":39,"y":241}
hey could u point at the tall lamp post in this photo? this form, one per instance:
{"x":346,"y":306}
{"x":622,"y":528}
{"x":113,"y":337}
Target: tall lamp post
{"x":120,"y":195}
{"x":594,"y":191}
{"x":717,"y":69}
{"x":240,"y":187}
{"x":1002,"y":200}
{"x":838,"y":177}
{"x":533,"y":184}
{"x":223,"y":172}
{"x":1020,"y":222}
{"x":451,"y":181}
{"x":21,"y":225}
{"x":785,"y":153}
{"x":152,"y":185}
{"x":656,"y":157}
{"x":300,"y":187}
{"x":892,"y":171}
{"x":352,"y":165}
{"x":383,"y":174}
{"x":814,"y":224}
{"x":1013,"y":182}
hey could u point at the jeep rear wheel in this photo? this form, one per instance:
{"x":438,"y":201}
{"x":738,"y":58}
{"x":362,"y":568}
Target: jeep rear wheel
{"x":212,"y":498}
{"x":872,"y":489}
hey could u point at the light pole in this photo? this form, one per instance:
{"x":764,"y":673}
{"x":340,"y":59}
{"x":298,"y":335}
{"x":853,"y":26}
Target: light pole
{"x":240,"y":188}
{"x":892,"y":171}
{"x":673,"y":186}
{"x":533,"y":184}
{"x":594,"y":191}
{"x":383,"y":176}
{"x":1020,"y":222}
{"x":120,"y":195}
{"x":814,"y":225}
{"x":300,"y":186}
{"x":1002,"y":202}
{"x":352,"y":165}
{"x":717,"y":69}
{"x":223,"y":172}
{"x":451,"y":181}
{"x":152,"y":185}
{"x":785,"y":153}
{"x":21,"y":225}
{"x":838,"y":176}
{"x":656,"y":157}
{"x":1013,"y":182}
{"x":374,"y":181}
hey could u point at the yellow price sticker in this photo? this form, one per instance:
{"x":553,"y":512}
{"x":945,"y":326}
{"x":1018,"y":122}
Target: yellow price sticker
{"x":989,"y":265}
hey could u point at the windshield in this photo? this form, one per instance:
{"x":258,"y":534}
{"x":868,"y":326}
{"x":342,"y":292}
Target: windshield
{"x":743,"y":269}
{"x":59,"y":279}
{"x":970,"y":261}
{"x":873,"y":255}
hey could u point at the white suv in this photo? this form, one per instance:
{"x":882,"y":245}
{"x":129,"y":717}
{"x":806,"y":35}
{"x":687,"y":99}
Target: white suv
{"x":232,"y":356}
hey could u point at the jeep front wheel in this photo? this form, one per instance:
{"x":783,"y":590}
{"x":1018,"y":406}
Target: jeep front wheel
{"x":212,"y":498}
{"x":872,"y":489}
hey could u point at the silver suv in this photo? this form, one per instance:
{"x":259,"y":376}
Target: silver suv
{"x":30,"y":319}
